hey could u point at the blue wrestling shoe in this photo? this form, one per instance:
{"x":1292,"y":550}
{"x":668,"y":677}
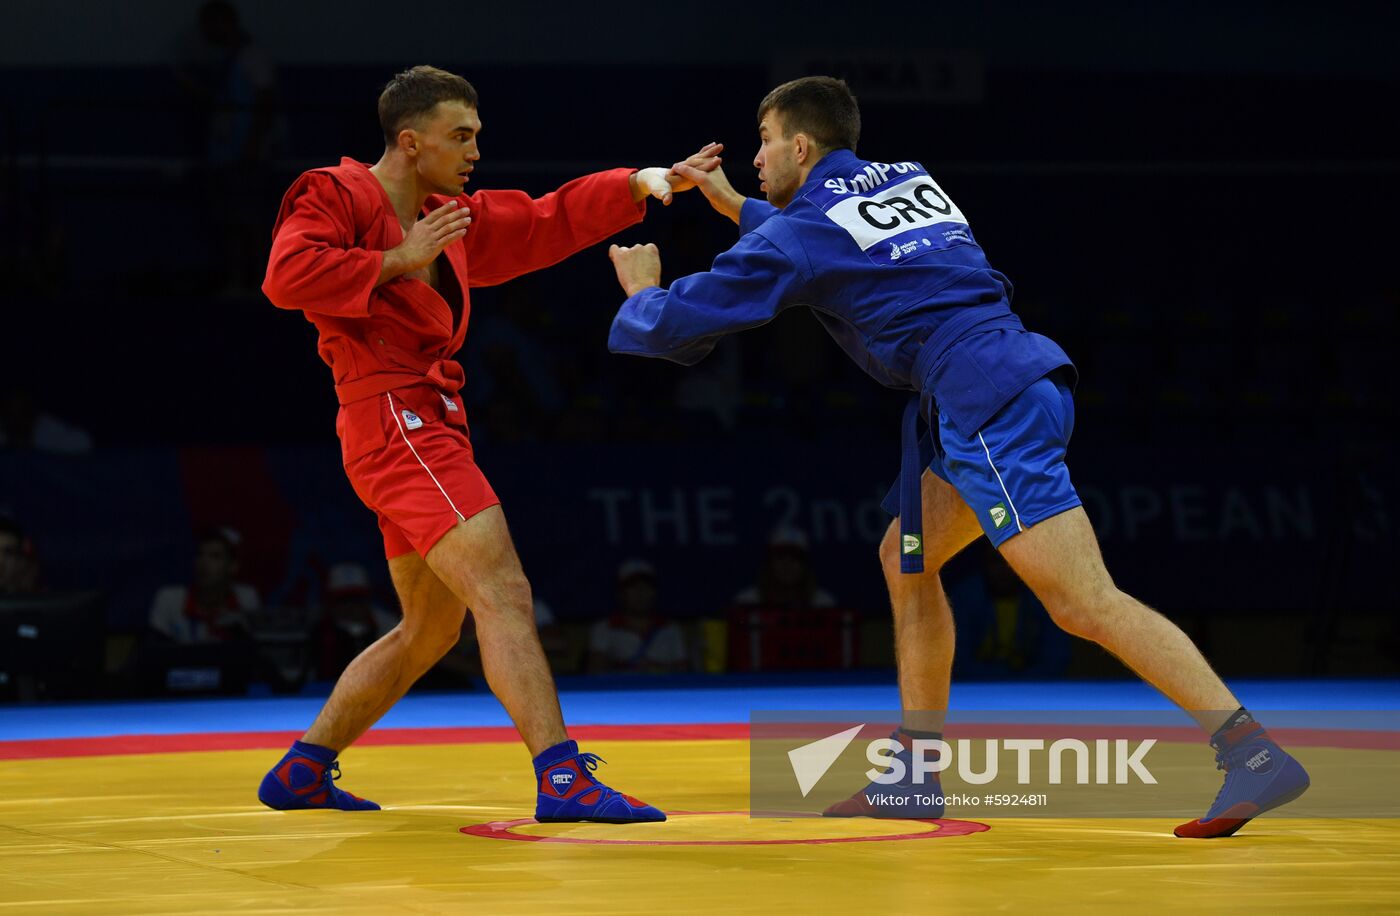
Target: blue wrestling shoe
{"x":568,"y":792}
{"x":1259,"y":775}
{"x":900,"y":799}
{"x":302,"y":779}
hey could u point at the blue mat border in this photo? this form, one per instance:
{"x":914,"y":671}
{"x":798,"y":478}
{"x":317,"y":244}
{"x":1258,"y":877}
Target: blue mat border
{"x":683,"y":700}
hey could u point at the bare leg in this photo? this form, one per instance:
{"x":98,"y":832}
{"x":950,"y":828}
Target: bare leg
{"x":382,"y":674}
{"x":474,"y":564}
{"x":923,"y":630}
{"x":477,"y":561}
{"x":1059,"y":559}
{"x":923,"y":621}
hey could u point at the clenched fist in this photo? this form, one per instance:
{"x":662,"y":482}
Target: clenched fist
{"x":638,"y":266}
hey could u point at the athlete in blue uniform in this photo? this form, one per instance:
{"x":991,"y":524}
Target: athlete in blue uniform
{"x":889,"y":265}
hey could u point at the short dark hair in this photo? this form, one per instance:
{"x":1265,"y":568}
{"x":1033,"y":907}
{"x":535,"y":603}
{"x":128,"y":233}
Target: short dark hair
{"x":417,"y":91}
{"x":822,"y":107}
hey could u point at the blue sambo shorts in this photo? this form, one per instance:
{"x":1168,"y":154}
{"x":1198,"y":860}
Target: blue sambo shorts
{"x":1012,"y":471}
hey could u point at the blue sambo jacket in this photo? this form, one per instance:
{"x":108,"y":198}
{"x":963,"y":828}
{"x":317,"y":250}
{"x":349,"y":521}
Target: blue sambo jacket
{"x":889,"y":265}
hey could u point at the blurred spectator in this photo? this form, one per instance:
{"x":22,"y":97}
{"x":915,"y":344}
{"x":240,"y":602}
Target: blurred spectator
{"x":350,"y":619}
{"x":19,"y":570}
{"x":215,"y":608}
{"x":636,"y":637}
{"x":515,"y":383}
{"x":556,"y":646}
{"x":1003,"y":631}
{"x":786,"y":579}
{"x":24,"y":426}
{"x":715,"y":388}
{"x":235,"y":84}
{"x":1008,"y":639}
{"x":463,"y":662}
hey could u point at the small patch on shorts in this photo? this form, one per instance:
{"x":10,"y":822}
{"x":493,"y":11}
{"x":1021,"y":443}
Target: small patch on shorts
{"x":999,"y":515}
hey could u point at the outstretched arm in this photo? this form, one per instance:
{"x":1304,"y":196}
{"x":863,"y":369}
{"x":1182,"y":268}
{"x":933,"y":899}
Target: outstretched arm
{"x":749,"y":213}
{"x":661,"y":183}
{"x":748,"y":286}
{"x":704,"y":172}
{"x":512,"y":234}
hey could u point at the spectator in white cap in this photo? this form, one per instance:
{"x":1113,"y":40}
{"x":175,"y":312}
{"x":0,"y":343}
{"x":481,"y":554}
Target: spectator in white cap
{"x":350,"y":618}
{"x":786,"y":579}
{"x":215,"y":607}
{"x":637,"y":637}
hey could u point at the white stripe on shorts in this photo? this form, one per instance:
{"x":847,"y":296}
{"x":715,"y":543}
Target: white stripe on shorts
{"x":402,"y":432}
{"x":992,"y":465}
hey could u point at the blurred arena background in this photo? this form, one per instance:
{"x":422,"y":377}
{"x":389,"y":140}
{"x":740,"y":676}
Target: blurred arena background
{"x":1197,"y":201}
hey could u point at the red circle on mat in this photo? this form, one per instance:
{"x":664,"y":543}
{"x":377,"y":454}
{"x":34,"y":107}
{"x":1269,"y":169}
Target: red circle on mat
{"x":501,"y":830}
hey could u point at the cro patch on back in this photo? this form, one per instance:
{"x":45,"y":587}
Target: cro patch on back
{"x":894,"y":212}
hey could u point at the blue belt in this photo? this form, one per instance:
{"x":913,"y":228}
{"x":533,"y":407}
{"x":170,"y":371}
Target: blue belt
{"x":911,"y":504}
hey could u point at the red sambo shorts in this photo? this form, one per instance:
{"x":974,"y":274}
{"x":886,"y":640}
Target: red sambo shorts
{"x":411,"y":466}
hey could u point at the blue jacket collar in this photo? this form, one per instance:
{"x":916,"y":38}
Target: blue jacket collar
{"x":837,"y":162}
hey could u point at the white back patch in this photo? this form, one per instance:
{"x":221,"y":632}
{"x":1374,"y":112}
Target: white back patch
{"x":916,"y":204}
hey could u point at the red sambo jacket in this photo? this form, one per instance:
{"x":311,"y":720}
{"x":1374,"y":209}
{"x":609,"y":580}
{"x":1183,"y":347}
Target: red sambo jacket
{"x":328,"y":248}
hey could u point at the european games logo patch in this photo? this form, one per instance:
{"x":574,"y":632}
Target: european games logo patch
{"x":411,"y":420}
{"x":561,"y":780}
{"x":999,"y":516}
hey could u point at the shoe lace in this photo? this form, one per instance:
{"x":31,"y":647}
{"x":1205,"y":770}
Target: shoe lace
{"x":590,"y":762}
{"x":1222,"y":762}
{"x":331,"y":773}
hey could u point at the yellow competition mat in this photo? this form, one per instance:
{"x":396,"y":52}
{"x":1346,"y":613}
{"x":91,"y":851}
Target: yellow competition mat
{"x":182,"y":833}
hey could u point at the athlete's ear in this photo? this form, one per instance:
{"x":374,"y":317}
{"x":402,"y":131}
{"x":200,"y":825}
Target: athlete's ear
{"x":801,"y":146}
{"x":408,"y":140}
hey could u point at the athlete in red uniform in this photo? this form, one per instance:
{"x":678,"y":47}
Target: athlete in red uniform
{"x":380,"y":258}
